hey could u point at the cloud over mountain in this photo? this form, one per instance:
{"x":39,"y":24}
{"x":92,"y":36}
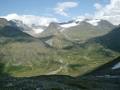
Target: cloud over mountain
{"x":31,"y":19}
{"x":61,"y":8}
{"x":110,"y":12}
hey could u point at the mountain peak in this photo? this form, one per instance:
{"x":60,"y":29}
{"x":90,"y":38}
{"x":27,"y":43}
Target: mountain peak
{"x":52,"y":29}
{"x":93,"y":22}
{"x":105,"y":22}
{"x":3,"y":22}
{"x":53,"y":24}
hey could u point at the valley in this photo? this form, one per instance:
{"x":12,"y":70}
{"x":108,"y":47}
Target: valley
{"x":57,"y":59}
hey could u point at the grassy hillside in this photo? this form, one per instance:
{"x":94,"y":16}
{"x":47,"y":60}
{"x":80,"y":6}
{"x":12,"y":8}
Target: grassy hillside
{"x":24,"y":55}
{"x":34,"y":58}
{"x":85,"y":31}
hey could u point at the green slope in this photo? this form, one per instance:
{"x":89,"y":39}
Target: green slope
{"x":85,"y":31}
{"x":24,"y":55}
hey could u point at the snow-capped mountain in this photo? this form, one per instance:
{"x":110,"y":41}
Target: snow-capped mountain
{"x":33,"y":29}
{"x":4,"y":22}
{"x":94,"y":22}
{"x":68,"y":24}
{"x":37,"y":28}
{"x":55,"y":42}
{"x":72,"y":29}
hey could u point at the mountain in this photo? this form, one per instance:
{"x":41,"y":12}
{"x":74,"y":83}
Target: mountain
{"x":33,"y":30}
{"x":105,"y":25}
{"x":10,"y":33}
{"x":53,"y":52}
{"x":85,"y":30}
{"x":69,"y":24}
{"x":110,"y":40}
{"x":78,"y":30}
{"x":23,"y":27}
{"x":52,"y":29}
{"x":38,"y":29}
{"x":54,"y":38}
{"x":4,"y":22}
{"x":86,"y":49}
{"x":18,"y":49}
{"x":74,"y":31}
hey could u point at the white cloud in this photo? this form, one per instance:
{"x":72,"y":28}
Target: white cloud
{"x":62,"y":7}
{"x":97,"y":6}
{"x":31,"y":19}
{"x":110,"y":12}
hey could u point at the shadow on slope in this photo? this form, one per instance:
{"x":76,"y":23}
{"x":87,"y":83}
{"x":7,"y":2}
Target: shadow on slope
{"x":110,"y":40}
{"x":12,"y":34}
{"x":2,"y":72}
{"x":62,"y":82}
{"x":107,"y":69}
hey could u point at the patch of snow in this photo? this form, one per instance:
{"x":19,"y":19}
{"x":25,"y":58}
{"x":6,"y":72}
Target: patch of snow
{"x":38,"y":30}
{"x":79,"y":18}
{"x":94,"y":22}
{"x":90,"y":21}
{"x":50,"y":42}
{"x":69,"y":25}
{"x":58,"y":28}
{"x":62,"y":29}
{"x":116,"y":66}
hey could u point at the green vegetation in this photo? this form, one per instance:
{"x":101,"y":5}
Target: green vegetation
{"x":22,"y":55}
{"x":33,"y":58}
{"x":85,"y":31}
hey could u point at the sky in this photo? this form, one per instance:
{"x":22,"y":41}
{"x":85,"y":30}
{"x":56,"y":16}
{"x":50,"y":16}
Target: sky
{"x":46,"y":7}
{"x":59,"y":10}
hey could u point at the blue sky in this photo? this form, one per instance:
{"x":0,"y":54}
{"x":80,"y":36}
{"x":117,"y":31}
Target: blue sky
{"x":47,"y":11}
{"x":46,"y":7}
